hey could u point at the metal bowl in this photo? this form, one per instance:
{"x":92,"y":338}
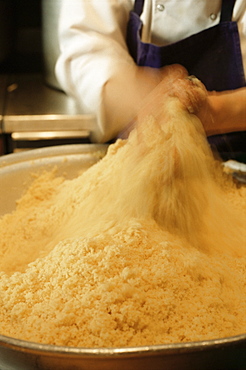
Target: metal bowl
{"x":17,"y":170}
{"x":228,"y":353}
{"x":223,"y":354}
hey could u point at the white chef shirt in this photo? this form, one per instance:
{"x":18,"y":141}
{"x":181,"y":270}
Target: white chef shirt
{"x":92,"y":37}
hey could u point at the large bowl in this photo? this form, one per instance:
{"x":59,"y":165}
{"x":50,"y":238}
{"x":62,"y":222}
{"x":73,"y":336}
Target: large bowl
{"x":16,"y":172}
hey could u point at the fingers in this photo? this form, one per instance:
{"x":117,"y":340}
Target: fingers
{"x":174,"y":71}
{"x":191,"y":93}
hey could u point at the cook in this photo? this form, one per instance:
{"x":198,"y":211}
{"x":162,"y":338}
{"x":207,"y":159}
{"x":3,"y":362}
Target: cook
{"x":105,"y":45}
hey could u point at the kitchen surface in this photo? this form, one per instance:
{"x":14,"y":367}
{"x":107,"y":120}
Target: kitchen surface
{"x":34,"y":112}
{"x":36,"y":115}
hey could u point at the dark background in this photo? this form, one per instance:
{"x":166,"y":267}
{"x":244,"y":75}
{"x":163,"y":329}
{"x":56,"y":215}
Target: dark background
{"x":20,"y":36}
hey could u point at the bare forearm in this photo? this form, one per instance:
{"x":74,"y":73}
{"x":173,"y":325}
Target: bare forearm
{"x":226,"y":112}
{"x":137,"y":92}
{"x":124,"y":100}
{"x":124,"y":94}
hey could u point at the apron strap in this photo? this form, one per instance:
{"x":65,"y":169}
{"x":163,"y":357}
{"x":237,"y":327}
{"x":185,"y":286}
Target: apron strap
{"x":138,"y":7}
{"x":227,"y":10}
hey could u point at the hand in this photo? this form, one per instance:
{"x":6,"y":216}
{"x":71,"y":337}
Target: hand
{"x":224,"y":112}
{"x":189,"y":91}
{"x":161,"y":84}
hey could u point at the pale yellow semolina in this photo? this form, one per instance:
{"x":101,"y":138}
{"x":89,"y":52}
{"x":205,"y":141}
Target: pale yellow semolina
{"x":145,"y":247}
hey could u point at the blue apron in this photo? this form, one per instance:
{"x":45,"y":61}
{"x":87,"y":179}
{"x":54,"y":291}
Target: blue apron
{"x":212,"y":55}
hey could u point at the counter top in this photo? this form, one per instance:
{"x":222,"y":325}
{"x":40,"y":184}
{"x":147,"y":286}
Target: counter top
{"x":33,"y":106}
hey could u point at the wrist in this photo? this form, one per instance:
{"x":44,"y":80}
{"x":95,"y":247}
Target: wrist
{"x":228,"y":111}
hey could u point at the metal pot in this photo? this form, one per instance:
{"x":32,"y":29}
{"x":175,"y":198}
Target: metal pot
{"x":226,"y":353}
{"x":16,"y":170}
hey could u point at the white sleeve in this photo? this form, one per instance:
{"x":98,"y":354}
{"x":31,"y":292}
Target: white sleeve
{"x":92,"y":37}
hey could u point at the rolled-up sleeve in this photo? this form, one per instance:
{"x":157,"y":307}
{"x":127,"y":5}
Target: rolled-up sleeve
{"x":93,"y":49}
